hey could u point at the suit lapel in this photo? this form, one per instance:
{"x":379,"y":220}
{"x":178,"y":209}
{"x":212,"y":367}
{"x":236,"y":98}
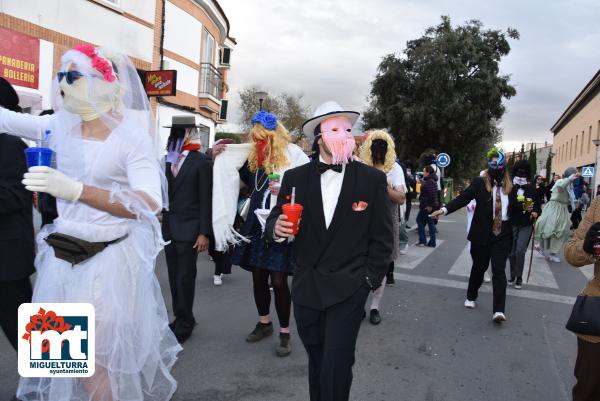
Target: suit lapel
{"x":315,"y":201}
{"x":185,"y":167}
{"x":344,"y":204}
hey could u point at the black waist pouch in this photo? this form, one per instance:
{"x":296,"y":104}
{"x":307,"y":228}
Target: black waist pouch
{"x":75,"y":250}
{"x":585,"y":317}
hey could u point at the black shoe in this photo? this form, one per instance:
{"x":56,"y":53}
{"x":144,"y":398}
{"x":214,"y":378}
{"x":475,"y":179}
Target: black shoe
{"x":260,"y":331}
{"x":375,"y":317}
{"x":284,"y":348}
{"x":182,"y":336}
{"x":519,"y":283}
{"x":511,"y":281}
{"x":389,"y":279}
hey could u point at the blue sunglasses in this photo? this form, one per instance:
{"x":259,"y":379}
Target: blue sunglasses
{"x":71,"y":76}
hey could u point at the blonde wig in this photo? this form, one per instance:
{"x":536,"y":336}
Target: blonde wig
{"x":507,"y":184}
{"x":276,"y":156}
{"x":390,"y":156}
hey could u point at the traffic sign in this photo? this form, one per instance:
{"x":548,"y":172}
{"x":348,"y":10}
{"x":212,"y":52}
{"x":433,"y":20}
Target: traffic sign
{"x":587,"y":171}
{"x":442,"y":160}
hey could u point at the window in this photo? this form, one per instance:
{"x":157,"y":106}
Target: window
{"x":590,"y":140}
{"x":208,"y":55}
{"x":571,"y":149}
{"x":575,"y":150}
{"x":582,"y":140}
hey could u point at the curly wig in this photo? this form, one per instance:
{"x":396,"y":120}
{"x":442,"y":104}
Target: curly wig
{"x":522,"y":165}
{"x":275,"y":153}
{"x":367,"y":156}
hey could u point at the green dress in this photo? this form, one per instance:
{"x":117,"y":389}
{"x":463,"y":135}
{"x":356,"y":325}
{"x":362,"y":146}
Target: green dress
{"x":553,"y":227}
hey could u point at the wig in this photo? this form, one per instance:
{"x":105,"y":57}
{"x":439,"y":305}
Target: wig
{"x":366,"y":153}
{"x":274,"y":153}
{"x":522,"y":165}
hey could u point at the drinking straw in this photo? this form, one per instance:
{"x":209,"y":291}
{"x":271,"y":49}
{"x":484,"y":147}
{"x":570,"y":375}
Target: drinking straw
{"x":293,"y":200}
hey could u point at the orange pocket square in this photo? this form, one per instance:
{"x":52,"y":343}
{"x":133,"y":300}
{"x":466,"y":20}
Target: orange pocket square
{"x":360,"y":206}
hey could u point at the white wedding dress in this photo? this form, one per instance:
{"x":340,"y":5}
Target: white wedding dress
{"x":135,"y":349}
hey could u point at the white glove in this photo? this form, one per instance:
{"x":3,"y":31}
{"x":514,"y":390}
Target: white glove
{"x":53,"y":182}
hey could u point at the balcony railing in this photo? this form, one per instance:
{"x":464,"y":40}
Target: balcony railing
{"x":211,"y":81}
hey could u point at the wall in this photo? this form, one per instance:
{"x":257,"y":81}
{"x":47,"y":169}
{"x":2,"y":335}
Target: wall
{"x":94,"y":23}
{"x":581,"y":125}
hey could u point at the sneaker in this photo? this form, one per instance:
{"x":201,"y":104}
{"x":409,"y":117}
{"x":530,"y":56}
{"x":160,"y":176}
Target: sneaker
{"x":218,"y":280}
{"x":284,"y":348}
{"x":431,"y":245}
{"x":511,"y":281}
{"x":408,"y":227}
{"x":487,"y":278}
{"x":403,"y":250}
{"x":519,"y":283}
{"x":374,"y":317}
{"x":260,"y":331}
{"x":389,"y":279}
{"x":553,"y":258}
{"x":499,"y":317}
{"x":469,"y":304}
{"x":420,"y":245}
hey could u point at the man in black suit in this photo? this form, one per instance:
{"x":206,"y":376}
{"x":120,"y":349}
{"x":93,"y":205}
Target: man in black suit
{"x":16,"y":224}
{"x":342,"y":251}
{"x":491,"y":232}
{"x":187,"y":223}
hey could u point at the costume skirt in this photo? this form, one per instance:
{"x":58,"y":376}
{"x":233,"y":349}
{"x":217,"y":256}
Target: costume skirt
{"x":135,"y":349}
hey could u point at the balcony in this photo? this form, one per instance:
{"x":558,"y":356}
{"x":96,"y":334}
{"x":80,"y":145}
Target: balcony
{"x":211,"y":82}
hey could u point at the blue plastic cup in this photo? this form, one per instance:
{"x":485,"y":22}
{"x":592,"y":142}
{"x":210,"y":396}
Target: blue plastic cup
{"x":38,"y":157}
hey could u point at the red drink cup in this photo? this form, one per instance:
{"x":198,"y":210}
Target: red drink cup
{"x":293,"y":211}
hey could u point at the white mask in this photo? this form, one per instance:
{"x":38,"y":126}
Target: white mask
{"x":89,"y":104}
{"x":520,"y":181}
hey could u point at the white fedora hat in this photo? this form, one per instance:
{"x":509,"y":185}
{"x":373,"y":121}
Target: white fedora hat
{"x":325,"y":111}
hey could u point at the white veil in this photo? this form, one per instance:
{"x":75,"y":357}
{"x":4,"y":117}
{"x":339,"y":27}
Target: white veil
{"x":109,"y":88}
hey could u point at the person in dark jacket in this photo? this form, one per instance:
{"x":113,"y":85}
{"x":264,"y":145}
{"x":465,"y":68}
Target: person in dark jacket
{"x":540,"y":188}
{"x":490,"y":232}
{"x":188,"y":222}
{"x":16,"y":224}
{"x":526,"y":207}
{"x":428,"y":202}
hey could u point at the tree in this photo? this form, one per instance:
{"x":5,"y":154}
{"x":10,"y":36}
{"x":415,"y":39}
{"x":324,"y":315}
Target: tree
{"x":533,"y":159}
{"x":549,"y":166}
{"x":444,"y":92}
{"x":511,"y":162}
{"x":288,"y":107}
{"x":522,"y":152}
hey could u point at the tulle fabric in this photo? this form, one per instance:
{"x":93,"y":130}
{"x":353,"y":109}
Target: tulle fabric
{"x":135,"y":349}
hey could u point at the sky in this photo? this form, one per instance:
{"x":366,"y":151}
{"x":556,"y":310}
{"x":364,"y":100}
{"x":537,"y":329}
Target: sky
{"x":330,"y":50}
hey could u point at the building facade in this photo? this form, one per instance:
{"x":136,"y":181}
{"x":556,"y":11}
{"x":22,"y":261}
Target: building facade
{"x":189,"y":36}
{"x":576,"y":128}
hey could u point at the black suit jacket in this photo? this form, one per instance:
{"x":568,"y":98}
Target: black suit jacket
{"x":332,"y":263}
{"x":517,"y":217}
{"x":16,"y":223}
{"x":190,"y":200}
{"x":483,"y":218}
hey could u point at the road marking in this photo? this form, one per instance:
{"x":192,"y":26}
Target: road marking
{"x":415,"y":255}
{"x":588,"y":271}
{"x":541,"y":275}
{"x":440,"y":282}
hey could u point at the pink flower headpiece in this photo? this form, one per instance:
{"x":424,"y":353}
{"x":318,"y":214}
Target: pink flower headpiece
{"x":99,"y":63}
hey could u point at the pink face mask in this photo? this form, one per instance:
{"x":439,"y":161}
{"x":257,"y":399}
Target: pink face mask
{"x":337,"y":135}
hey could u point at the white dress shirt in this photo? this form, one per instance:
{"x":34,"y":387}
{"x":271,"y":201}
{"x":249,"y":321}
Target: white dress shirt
{"x":503,"y":199}
{"x":331,"y":186}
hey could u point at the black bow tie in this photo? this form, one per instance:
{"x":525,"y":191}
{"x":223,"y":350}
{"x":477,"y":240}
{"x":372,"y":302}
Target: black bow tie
{"x":322,"y":167}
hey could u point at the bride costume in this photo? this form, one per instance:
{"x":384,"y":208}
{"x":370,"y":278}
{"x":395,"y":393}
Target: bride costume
{"x":135,"y":349}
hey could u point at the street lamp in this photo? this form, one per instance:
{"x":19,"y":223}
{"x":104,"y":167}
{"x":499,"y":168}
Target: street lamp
{"x":596,"y":143}
{"x":262,"y":95}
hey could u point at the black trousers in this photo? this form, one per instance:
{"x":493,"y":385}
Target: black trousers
{"x":13,"y":294}
{"x":181,"y":264}
{"x":329,"y":337}
{"x":587,"y":371}
{"x":222,"y":260}
{"x":496,"y":251}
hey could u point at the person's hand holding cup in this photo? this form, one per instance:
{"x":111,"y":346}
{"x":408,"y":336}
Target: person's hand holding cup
{"x":283,"y":227}
{"x":274,"y":184}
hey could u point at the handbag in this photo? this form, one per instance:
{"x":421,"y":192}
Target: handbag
{"x":75,"y":250}
{"x":585,"y":316}
{"x":244,"y":207}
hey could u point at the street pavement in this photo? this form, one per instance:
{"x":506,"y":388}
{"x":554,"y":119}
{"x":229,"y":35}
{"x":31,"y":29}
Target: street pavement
{"x":427,"y":348}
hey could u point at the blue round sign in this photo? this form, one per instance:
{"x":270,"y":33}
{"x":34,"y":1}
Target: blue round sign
{"x":443,"y":160}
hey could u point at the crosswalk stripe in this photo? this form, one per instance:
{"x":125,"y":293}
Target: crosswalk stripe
{"x":588,"y":271}
{"x":541,"y":275}
{"x":541,"y":296}
{"x":415,"y":255}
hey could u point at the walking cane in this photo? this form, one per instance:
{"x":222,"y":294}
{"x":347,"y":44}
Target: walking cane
{"x":532,"y":244}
